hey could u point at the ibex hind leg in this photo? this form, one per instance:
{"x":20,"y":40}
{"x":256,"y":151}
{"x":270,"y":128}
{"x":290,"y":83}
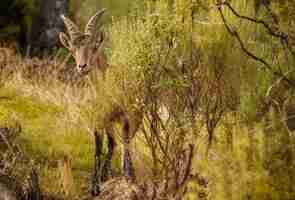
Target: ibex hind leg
{"x":128,"y":168}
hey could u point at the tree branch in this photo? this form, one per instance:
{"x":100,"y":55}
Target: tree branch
{"x":236,"y":35}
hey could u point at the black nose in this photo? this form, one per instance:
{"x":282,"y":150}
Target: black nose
{"x":82,"y":66}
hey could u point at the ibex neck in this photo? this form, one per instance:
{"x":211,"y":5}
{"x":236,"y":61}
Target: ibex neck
{"x":127,"y":163}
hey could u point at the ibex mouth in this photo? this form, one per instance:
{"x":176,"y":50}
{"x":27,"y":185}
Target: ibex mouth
{"x":82,"y":67}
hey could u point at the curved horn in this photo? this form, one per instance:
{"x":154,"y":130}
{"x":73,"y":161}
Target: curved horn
{"x":90,"y":27}
{"x":72,"y":28}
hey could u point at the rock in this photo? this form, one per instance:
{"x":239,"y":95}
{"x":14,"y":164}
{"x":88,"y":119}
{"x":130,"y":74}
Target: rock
{"x":6,"y":193}
{"x":120,"y":189}
{"x":9,"y":189}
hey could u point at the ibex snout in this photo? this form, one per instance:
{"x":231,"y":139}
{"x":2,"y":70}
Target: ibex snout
{"x":82,"y":67}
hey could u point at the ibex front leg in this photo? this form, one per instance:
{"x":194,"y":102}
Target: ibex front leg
{"x":96,"y":177}
{"x":102,"y":170}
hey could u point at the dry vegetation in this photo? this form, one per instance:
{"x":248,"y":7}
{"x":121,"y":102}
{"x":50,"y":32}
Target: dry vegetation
{"x":208,"y":130}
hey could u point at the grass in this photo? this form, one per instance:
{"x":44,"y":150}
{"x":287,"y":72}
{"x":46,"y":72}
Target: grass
{"x":51,"y":125}
{"x":57,"y":120}
{"x":42,"y":122}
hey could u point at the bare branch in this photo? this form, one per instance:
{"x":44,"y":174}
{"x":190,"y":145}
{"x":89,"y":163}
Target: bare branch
{"x":236,"y":35}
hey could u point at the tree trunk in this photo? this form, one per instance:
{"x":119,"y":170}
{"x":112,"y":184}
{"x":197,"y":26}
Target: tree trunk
{"x":46,"y":26}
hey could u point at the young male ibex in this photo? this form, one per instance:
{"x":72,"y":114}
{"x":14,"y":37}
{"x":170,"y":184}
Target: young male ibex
{"x":85,"y":48}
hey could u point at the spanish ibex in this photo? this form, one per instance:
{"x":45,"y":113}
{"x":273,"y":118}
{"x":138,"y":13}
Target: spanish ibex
{"x":85,"y":48}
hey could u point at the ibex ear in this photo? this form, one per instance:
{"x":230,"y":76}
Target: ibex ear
{"x":64,"y":39}
{"x":99,"y":40}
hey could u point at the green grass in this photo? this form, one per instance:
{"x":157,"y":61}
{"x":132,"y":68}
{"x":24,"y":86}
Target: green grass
{"x":47,"y":135}
{"x":41,"y":125}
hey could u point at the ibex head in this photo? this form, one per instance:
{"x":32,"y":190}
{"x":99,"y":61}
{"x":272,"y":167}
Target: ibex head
{"x":83,"y":45}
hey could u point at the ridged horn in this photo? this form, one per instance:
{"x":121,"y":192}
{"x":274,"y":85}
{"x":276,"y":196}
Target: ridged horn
{"x":72,"y":28}
{"x":90,"y":27}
